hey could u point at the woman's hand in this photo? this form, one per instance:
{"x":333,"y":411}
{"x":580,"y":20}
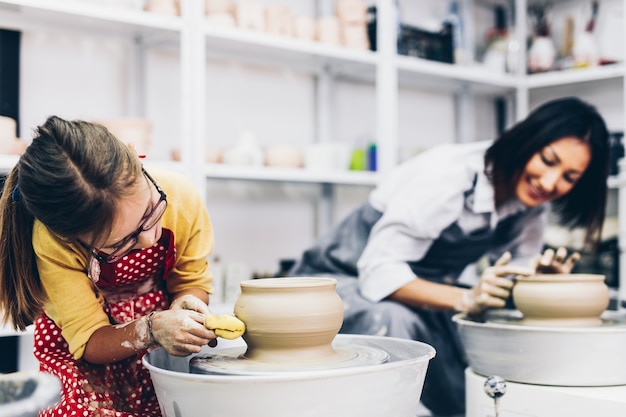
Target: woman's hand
{"x":493,"y":288}
{"x":551,"y":262}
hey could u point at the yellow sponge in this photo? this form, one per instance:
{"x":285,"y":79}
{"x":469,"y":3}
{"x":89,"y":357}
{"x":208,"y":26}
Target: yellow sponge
{"x":226,"y":326}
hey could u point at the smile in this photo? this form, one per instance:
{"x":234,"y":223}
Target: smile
{"x":535,"y":193}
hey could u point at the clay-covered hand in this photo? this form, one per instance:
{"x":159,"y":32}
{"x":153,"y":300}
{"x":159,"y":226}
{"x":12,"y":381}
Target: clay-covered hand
{"x":494,"y":286}
{"x":180,"y":331}
{"x":555,"y":262}
{"x":190,"y":302}
{"x":226,"y":326}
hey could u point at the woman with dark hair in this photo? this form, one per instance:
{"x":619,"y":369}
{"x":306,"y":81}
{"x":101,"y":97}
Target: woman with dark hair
{"x":107,"y":260}
{"x":399,"y":257}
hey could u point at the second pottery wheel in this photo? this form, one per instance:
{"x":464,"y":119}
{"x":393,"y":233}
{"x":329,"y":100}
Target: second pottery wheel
{"x":500,"y":343}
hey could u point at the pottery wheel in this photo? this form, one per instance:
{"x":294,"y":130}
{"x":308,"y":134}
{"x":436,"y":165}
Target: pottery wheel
{"x":515,"y":317}
{"x":232,"y":361}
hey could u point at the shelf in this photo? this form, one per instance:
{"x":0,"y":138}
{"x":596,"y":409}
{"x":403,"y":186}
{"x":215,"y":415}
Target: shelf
{"x":217,"y":171}
{"x":7,"y":162}
{"x":575,"y":76}
{"x":439,"y":76}
{"x":274,"y":50}
{"x":88,"y":17}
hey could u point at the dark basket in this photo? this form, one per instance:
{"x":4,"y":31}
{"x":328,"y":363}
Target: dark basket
{"x":416,"y":42}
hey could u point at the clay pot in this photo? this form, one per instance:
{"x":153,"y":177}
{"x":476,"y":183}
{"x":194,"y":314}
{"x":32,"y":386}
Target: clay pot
{"x":246,"y":151}
{"x":327,"y":156}
{"x":542,"y":54}
{"x":164,"y":7}
{"x":304,"y":27}
{"x":219,"y":6}
{"x":136,"y":132}
{"x":563,"y":299}
{"x":329,"y":30}
{"x":289,"y":319}
{"x":283,"y":156}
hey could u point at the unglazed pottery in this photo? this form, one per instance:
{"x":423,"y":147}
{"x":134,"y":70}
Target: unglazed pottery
{"x":219,"y":6}
{"x":133,"y":131}
{"x":250,"y":14}
{"x":278,"y":19}
{"x":329,"y":30}
{"x":246,"y":151}
{"x":563,"y":299}
{"x":542,"y":54}
{"x":304,"y":27}
{"x":289,"y":319}
{"x":164,"y":7}
{"x":327,"y":156}
{"x":286,"y":156}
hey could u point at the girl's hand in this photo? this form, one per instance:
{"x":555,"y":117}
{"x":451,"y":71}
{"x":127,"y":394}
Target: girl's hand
{"x":551,"y":262}
{"x":180,"y":331}
{"x":190,"y":302}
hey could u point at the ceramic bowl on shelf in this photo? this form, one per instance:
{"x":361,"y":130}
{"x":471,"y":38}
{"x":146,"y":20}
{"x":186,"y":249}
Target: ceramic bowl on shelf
{"x":304,"y":27}
{"x":563,"y":299}
{"x":213,"y":155}
{"x":285,"y":156}
{"x":164,"y":7}
{"x":245,"y":152}
{"x":327,"y":156}
{"x":219,"y":6}
{"x":133,"y":131}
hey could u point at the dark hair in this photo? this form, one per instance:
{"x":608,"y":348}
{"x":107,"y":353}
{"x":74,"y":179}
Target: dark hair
{"x":69,"y":178}
{"x":584,"y":205}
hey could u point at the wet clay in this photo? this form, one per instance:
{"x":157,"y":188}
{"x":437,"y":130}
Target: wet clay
{"x":561,"y":299}
{"x":289,"y":320}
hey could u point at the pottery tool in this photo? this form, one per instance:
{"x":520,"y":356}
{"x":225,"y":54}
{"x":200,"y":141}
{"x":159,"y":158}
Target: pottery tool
{"x":225,"y":326}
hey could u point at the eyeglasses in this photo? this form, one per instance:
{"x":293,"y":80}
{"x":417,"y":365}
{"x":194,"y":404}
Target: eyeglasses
{"x":149,"y":221}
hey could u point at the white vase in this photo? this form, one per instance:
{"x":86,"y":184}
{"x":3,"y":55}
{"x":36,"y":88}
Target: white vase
{"x":542,"y":54}
{"x":585,"y":50}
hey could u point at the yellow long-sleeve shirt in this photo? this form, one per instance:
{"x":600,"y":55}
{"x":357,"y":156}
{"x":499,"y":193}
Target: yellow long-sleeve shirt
{"x":74,"y":303}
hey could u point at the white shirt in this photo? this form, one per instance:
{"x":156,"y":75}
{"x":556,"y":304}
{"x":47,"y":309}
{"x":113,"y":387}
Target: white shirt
{"x":424,"y":196}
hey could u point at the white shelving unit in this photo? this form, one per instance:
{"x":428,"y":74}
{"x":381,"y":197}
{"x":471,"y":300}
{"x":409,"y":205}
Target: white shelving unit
{"x":387,"y":73}
{"x":196,"y":40}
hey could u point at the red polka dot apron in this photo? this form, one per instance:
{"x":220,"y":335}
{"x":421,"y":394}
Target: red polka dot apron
{"x":132,"y":287}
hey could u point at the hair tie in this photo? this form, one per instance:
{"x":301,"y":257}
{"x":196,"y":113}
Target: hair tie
{"x":16,"y":195}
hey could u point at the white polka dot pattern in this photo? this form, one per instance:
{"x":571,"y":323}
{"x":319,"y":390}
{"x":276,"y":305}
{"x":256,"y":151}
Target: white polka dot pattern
{"x":136,"y":268}
{"x":120,"y":389}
